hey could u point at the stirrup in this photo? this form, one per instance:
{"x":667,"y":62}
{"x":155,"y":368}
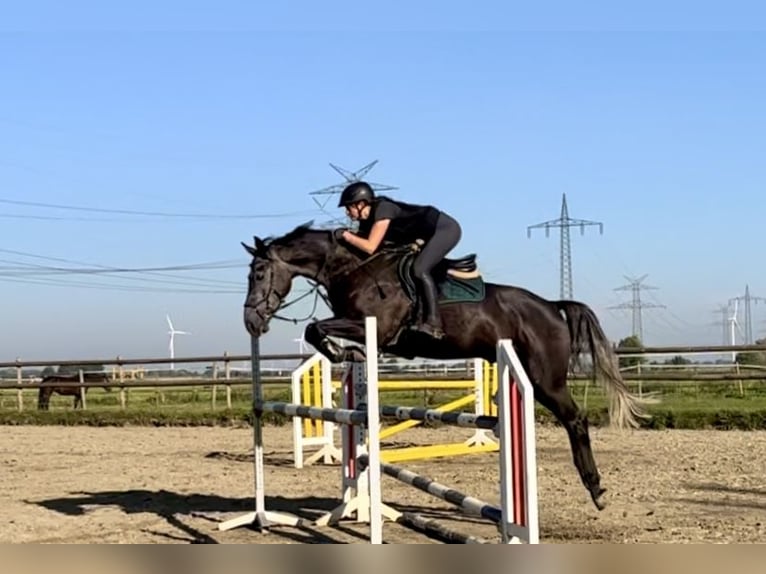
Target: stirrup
{"x":433,"y":331}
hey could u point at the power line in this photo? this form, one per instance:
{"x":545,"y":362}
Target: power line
{"x":59,"y":218}
{"x":227,"y":264}
{"x":636,"y":305}
{"x":564,"y":222}
{"x":156,"y":213}
{"x":105,"y":286}
{"x":29,"y":270}
{"x":670,"y":313}
{"x":36,"y":274}
{"x":98,"y":268}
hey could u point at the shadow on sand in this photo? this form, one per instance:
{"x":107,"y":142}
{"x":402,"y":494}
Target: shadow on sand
{"x":173,"y":507}
{"x":731,"y":497}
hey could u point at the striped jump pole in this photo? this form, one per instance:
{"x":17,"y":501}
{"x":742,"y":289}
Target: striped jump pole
{"x":470,"y":504}
{"x":432,"y":528}
{"x":431,"y":415}
{"x":340,"y":416}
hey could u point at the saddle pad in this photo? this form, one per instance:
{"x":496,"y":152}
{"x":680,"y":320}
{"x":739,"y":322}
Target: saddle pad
{"x":461,"y":290}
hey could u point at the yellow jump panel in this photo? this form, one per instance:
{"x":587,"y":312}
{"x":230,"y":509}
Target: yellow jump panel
{"x":393,"y":455}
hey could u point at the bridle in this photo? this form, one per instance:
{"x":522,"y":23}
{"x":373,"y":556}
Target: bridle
{"x":271,"y":312}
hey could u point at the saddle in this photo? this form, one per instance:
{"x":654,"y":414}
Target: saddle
{"x":457,"y":280}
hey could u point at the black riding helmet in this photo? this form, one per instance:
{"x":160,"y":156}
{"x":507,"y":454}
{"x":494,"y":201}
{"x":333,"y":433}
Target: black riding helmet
{"x":357,"y":191}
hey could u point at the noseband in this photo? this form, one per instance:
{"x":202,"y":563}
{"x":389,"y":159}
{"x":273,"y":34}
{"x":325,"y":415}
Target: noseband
{"x":271,"y":311}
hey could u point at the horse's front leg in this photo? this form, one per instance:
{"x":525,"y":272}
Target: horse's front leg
{"x":318,"y":335}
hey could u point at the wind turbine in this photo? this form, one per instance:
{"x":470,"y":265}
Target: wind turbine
{"x":303,"y":348}
{"x":173,"y":332}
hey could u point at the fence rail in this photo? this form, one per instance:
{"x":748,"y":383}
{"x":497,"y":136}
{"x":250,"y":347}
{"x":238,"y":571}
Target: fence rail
{"x":686,"y":350}
{"x":151,"y":383}
{"x":226,"y":358}
{"x":122,"y":361}
{"x":124,"y":387}
{"x":229,"y":377}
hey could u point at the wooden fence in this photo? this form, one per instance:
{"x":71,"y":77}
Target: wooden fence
{"x":224,"y":377}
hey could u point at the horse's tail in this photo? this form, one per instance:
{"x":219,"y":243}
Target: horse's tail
{"x":586,"y":335}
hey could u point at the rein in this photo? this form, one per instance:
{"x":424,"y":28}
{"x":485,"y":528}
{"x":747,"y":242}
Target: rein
{"x":315,"y":289}
{"x":283,"y":305}
{"x":379,"y":254}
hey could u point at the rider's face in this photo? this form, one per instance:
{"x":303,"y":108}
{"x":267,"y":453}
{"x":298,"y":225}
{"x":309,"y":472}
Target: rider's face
{"x":357,"y":210}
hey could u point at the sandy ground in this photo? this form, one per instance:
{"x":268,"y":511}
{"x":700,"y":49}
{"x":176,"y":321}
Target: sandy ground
{"x":174,"y":485}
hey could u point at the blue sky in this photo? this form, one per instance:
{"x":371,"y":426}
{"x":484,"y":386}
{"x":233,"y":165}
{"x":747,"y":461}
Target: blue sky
{"x":654,"y":126}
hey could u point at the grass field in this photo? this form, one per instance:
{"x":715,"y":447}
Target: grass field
{"x":681,"y":405}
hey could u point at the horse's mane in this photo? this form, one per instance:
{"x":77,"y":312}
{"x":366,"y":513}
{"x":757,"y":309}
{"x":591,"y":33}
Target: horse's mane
{"x":306,"y":232}
{"x":298,"y":233}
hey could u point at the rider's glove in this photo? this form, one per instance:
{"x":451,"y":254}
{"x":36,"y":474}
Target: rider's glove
{"x":338,"y":233}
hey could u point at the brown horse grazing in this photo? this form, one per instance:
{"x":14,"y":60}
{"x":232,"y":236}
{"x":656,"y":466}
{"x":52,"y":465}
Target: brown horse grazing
{"x":51,"y":384}
{"x":548,"y":336}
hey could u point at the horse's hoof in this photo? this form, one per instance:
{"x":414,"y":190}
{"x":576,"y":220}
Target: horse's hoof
{"x":598,"y":498}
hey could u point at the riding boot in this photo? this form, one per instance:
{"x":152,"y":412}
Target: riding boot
{"x":432,"y":324}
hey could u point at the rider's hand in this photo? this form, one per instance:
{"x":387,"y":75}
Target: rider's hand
{"x":338,"y":233}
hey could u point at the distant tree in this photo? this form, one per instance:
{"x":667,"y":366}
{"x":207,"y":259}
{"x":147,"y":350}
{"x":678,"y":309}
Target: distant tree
{"x":47,"y":371}
{"x":630,"y":342}
{"x":678,"y":360}
{"x":753,"y":357}
{"x":71,"y":369}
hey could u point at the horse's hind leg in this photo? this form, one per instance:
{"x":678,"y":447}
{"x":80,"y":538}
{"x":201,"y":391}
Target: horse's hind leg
{"x":560,"y":402}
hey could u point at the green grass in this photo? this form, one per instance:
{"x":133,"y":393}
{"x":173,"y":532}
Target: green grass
{"x":681,"y":405}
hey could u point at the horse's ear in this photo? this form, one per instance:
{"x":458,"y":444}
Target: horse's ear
{"x":260,"y":244}
{"x":249,"y":249}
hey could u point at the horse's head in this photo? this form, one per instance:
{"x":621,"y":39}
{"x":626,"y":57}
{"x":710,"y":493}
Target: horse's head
{"x":312,"y":253}
{"x":101,"y":377}
{"x":268,"y":283}
{"x":87,"y":377}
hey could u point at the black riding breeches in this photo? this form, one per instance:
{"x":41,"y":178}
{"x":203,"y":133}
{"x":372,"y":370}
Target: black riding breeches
{"x":445,"y":237}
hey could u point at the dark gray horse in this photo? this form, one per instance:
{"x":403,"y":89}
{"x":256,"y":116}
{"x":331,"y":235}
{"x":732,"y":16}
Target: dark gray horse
{"x":68,"y":385}
{"x":547,"y":335}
